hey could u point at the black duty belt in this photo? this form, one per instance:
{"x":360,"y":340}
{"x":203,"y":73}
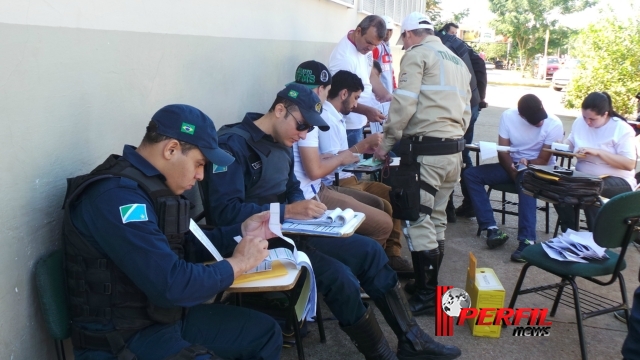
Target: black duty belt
{"x":427,"y":145}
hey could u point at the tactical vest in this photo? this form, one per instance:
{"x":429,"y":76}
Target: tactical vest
{"x":460,"y":48}
{"x":274,"y":157}
{"x":98,"y":291}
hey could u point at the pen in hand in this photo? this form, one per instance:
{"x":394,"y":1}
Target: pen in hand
{"x":315,"y":193}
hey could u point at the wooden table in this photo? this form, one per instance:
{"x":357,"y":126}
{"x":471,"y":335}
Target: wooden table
{"x":476,"y":148}
{"x":565,"y":155}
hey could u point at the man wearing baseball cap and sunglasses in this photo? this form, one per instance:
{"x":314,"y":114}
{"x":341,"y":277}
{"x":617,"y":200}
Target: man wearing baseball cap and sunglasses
{"x":263,"y":173}
{"x":126,"y":233}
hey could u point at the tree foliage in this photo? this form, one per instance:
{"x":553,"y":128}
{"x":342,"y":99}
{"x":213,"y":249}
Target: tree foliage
{"x":609,"y":54}
{"x":432,"y":10}
{"x":525,"y":22}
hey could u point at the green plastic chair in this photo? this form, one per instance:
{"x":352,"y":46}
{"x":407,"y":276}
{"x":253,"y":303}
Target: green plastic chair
{"x":53,"y":300}
{"x":614,"y":227}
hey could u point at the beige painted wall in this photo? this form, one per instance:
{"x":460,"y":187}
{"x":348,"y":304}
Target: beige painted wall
{"x":78,"y":79}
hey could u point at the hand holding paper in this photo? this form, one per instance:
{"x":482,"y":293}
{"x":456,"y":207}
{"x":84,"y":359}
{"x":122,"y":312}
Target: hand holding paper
{"x":258,"y":226}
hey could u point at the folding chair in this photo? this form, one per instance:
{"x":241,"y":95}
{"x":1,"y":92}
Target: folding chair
{"x":53,"y":299}
{"x":614,"y":227}
{"x":511,"y":188}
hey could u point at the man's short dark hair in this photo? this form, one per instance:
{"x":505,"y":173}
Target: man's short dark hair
{"x":377,"y":22}
{"x":448,"y":26}
{"x":422,"y":32}
{"x":345,"y":80}
{"x":286,"y":103}
{"x":152,"y":137}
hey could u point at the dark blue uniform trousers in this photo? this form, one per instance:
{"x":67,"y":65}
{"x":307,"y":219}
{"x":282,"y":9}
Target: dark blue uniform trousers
{"x":230,"y":332}
{"x":342,"y":266}
{"x":631,"y":346}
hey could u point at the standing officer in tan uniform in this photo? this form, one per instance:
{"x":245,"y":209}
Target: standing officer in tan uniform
{"x":429,"y":115}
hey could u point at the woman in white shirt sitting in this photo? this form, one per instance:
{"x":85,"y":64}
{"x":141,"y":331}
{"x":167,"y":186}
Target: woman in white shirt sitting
{"x":607,"y":142}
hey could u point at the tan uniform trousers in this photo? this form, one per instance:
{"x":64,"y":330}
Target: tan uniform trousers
{"x":392,"y":246}
{"x":442,"y":172}
{"x":377,"y":224}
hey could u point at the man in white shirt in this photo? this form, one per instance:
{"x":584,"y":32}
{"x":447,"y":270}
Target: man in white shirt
{"x":353,"y":54}
{"x":527,"y":130}
{"x":319,"y":155}
{"x":310,"y":167}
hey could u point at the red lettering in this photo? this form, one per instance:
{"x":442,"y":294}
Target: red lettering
{"x":520,"y":313}
{"x":543,"y":317}
{"x":503,"y":315}
{"x":533,"y":318}
{"x":484,"y":314}
{"x":467,"y":313}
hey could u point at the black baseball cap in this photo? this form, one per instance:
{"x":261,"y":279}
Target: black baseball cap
{"x":313,"y":74}
{"x":531,"y":109}
{"x":307,"y":102}
{"x":188,"y":124}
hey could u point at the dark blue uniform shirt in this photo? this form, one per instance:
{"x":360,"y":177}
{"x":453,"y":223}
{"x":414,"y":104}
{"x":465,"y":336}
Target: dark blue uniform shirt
{"x":227,"y":188}
{"x":141,"y":250}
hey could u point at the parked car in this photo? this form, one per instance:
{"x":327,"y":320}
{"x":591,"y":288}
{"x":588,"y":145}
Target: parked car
{"x":489,"y":65}
{"x":563,"y":76}
{"x":499,"y":64}
{"x":547,"y":66}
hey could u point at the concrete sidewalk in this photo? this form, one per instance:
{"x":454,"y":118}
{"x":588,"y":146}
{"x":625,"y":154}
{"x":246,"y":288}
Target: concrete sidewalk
{"x":604,"y":334}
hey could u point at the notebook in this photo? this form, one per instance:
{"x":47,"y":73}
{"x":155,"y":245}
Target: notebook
{"x":336,"y":217}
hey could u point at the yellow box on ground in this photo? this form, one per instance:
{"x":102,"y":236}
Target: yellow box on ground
{"x":485,"y":291}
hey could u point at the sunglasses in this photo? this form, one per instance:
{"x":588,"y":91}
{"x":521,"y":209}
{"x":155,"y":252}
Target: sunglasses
{"x":301,"y":126}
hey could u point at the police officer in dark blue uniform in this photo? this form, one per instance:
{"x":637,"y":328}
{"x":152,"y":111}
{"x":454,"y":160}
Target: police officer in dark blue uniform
{"x":263,"y":174}
{"x":133,"y":292}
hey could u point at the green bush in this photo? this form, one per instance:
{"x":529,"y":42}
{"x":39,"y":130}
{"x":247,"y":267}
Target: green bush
{"x":609,"y":53}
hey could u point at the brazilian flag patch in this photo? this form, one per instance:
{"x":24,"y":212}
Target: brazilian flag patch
{"x":187,"y":128}
{"x":133,"y":212}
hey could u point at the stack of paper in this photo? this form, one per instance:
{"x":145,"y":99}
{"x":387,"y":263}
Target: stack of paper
{"x":574,"y":246}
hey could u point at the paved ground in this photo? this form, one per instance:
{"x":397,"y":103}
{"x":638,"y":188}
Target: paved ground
{"x":604,"y":334}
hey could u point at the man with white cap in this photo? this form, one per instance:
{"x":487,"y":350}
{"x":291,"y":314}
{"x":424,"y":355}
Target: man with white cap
{"x":382,"y":53}
{"x":429,"y":115}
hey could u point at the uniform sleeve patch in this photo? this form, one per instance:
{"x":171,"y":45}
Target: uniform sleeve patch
{"x":133,"y":212}
{"x":218,"y":168}
{"x":403,"y":77}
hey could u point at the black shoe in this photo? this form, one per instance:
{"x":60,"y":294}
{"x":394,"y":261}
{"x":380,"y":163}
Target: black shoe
{"x":367,"y":336}
{"x":495,"y":238}
{"x":517,"y":255}
{"x":620,"y":316}
{"x":465,"y":210}
{"x":413,"y":342}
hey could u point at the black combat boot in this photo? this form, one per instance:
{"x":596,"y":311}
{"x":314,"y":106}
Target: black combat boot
{"x":423,"y":300}
{"x":410,"y":286}
{"x":413,"y":342}
{"x":368,"y":337}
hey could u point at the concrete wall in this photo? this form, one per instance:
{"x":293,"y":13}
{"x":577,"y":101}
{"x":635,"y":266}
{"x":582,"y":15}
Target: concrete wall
{"x":78,"y":79}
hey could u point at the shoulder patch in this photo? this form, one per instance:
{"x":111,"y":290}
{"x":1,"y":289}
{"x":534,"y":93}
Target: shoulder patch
{"x":218,"y":168}
{"x":133,"y":212}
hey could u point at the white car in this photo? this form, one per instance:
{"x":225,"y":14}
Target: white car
{"x":489,"y":65}
{"x":562,"y":77}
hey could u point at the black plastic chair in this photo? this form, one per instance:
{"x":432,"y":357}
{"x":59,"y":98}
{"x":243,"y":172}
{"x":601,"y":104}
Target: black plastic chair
{"x":615,"y":227}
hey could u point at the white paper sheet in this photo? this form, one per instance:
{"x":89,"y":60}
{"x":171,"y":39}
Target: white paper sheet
{"x":488,"y":150}
{"x":195,"y":230}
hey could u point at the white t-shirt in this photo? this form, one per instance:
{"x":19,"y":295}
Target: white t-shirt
{"x":616,"y":136}
{"x":346,"y":57}
{"x":526,"y":139}
{"x":305,"y":183}
{"x":333,"y":140}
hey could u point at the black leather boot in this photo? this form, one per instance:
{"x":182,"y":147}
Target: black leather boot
{"x":413,"y":342}
{"x":423,"y":301}
{"x":368,"y":337}
{"x":410,"y":286}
